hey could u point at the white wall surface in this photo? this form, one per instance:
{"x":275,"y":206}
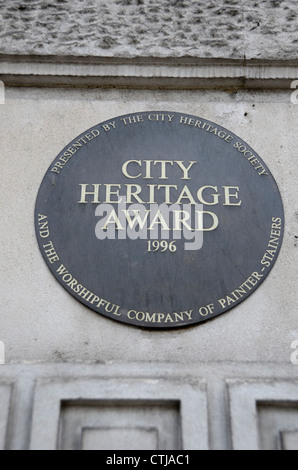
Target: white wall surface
{"x":41,"y":322}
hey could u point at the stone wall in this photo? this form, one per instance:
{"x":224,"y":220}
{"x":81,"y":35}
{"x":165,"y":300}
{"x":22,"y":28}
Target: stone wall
{"x":233,"y":29}
{"x":70,"y":378}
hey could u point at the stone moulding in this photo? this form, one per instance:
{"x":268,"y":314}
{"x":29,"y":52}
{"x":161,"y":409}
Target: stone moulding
{"x":166,"y":73}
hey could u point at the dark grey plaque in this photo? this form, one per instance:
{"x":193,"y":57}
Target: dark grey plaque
{"x":159,"y":219}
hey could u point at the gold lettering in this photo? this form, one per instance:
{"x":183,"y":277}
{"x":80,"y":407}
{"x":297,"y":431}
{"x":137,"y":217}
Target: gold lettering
{"x":148,"y":170}
{"x":44,"y":230}
{"x":186,"y":194}
{"x":208,"y":310}
{"x":184,"y":169}
{"x":228,"y":196}
{"x":94,"y":193}
{"x":158,"y":219}
{"x":95,"y":299}
{"x":188,"y":314}
{"x":179,"y":316}
{"x":215,"y":196}
{"x":125,"y":165}
{"x":163,"y":168}
{"x":160,"y":317}
{"x":167,"y":188}
{"x":51,"y":252}
{"x":245,"y":288}
{"x":113,"y":219}
{"x":151,"y":193}
{"x":101,"y":303}
{"x":132,"y":119}
{"x":200,"y":226}
{"x":137,"y":218}
{"x":110,"y":192}
{"x":169,"y":319}
{"x":117,"y":313}
{"x":179,"y":220}
{"x":131,"y":314}
{"x":132,"y":191}
{"x":151,"y":318}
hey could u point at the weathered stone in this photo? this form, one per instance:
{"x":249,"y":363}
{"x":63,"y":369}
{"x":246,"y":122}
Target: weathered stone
{"x":132,"y":28}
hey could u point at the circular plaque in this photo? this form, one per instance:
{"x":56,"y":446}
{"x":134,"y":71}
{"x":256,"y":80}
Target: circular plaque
{"x":159,"y":219}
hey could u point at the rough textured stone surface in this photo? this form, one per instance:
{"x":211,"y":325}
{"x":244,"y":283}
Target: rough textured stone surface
{"x":131,"y":28}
